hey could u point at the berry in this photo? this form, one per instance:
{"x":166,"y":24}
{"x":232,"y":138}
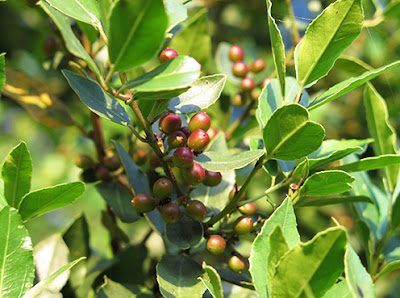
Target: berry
{"x":84,"y":161}
{"x":144,"y":203}
{"x":248,"y":84}
{"x":240,"y":69}
{"x":239,"y":100}
{"x":216,"y":245}
{"x":248,"y":209}
{"x":162,"y":188}
{"x":169,"y":123}
{"x":183,"y":157}
{"x":212,"y":178}
{"x":154,"y":161}
{"x":170,"y":213}
{"x":255,"y":93}
{"x":236,"y":53}
{"x":257,"y":65}
{"x":196,"y":210}
{"x":265,"y":82}
{"x":186,"y":131}
{"x":198,"y":140}
{"x":103,"y":174}
{"x":50,"y":46}
{"x":200,"y":121}
{"x":88,"y":176}
{"x":139,"y":156}
{"x":243,"y":225}
{"x":233,"y":191}
{"x":237,"y":263}
{"x":176,"y":139}
{"x":112,"y":163}
{"x":167,"y":54}
{"x":194,"y":175}
{"x":212,"y":133}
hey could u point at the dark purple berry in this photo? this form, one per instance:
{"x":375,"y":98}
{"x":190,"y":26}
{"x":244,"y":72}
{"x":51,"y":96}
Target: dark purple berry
{"x":50,"y":46}
{"x":216,"y":244}
{"x":195,"y":210}
{"x":212,"y":178}
{"x":186,"y":131}
{"x":88,"y":176}
{"x":170,"y":123}
{"x":144,"y":203}
{"x":183,"y":157}
{"x":103,"y":174}
{"x":162,"y":188}
{"x":240,"y":69}
{"x":112,"y":163}
{"x":176,"y":139}
{"x":194,"y":175}
{"x":167,"y":54}
{"x":170,"y":213}
{"x":236,"y":53}
{"x":200,"y":121}
{"x":198,"y":140}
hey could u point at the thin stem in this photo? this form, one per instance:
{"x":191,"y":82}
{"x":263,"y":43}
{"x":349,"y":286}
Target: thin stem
{"x":154,"y":109}
{"x":137,"y":135}
{"x":298,"y":96}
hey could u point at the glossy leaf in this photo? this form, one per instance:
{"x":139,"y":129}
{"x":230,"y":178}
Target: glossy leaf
{"x":2,"y":74}
{"x":381,"y":130}
{"x":348,"y":85}
{"x":176,"y":12}
{"x":319,"y":271}
{"x":289,"y":134}
{"x":178,"y":277}
{"x":185,"y":233}
{"x":284,"y":217}
{"x":203,"y":93}
{"x":371,"y":163}
{"x":111,"y":289}
{"x":326,"y":38}
{"x":16,"y":173}
{"x":17,"y":269}
{"x":388,"y":268}
{"x":136,"y":32}
{"x":214,"y":285}
{"x":339,"y":289}
{"x":96,"y":99}
{"x":324,"y":201}
{"x":44,"y":200}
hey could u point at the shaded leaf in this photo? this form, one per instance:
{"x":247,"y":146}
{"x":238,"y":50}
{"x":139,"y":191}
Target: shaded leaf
{"x":176,"y":12}
{"x":77,"y":238}
{"x":309,"y":201}
{"x":214,"y":285}
{"x":111,"y":289}
{"x":185,"y":233}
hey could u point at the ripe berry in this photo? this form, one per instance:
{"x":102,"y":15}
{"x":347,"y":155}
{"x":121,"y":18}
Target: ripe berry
{"x":169,"y":123}
{"x":240,"y":69}
{"x":257,"y":65}
{"x":50,"y":46}
{"x":139,"y":156}
{"x":84,"y":161}
{"x":198,"y":140}
{"x":176,"y":139}
{"x":200,"y":121}
{"x":236,"y":53}
{"x":216,"y":244}
{"x":194,"y":175}
{"x":212,"y":178}
{"x":243,"y":225}
{"x":233,"y":191}
{"x":248,"y":84}
{"x":237,"y":263}
{"x":265,"y":82}
{"x":154,"y":161}
{"x":239,"y":100}
{"x":112,"y":163}
{"x":143,"y":203}
{"x":103,"y":174}
{"x":183,"y":157}
{"x":196,"y":210}
{"x":167,"y":54}
{"x":186,"y":131}
{"x":248,"y":209}
{"x":170,"y":213}
{"x":162,"y":188}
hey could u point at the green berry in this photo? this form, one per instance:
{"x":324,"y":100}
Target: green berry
{"x":198,"y":140}
{"x":195,"y":210}
{"x":194,"y":175}
{"x":212,"y":178}
{"x":216,"y":244}
{"x":200,"y":121}
{"x":144,"y":203}
{"x":176,"y":139}
{"x":257,"y":66}
{"x":248,"y":209}
{"x":237,"y":263}
{"x":248,"y":84}
{"x":170,"y":123}
{"x":240,"y":69}
{"x":84,"y":162}
{"x":239,"y":100}
{"x":243,"y":225}
{"x":170,"y":213}
{"x":112,"y":163}
{"x":167,"y":54}
{"x":236,"y":53}
{"x":162,"y":188}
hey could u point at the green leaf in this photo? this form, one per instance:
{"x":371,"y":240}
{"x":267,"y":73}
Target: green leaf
{"x":178,"y":277}
{"x":388,"y":268}
{"x":193,"y":39}
{"x":339,"y":289}
{"x":352,"y":65}
{"x":77,"y":238}
{"x":324,"y":201}
{"x":16,"y":174}
{"x":42,"y":285}
{"x":176,"y":12}
{"x":395,"y":216}
{"x":3,"y":201}
{"x":392,"y":10}
{"x":17,"y":269}
{"x":348,"y":85}
{"x":136,"y":33}
{"x":261,"y":248}
{"x":278,"y":49}
{"x":71,"y":41}
{"x":111,"y":289}
{"x":381,"y":130}
{"x":326,"y":38}
{"x":371,"y":163}
{"x":327,"y":183}
{"x":214,"y":161}
{"x":167,"y":80}
{"x":289,"y":134}
{"x":185,"y":233}
{"x":319,"y":262}
{"x":203,"y":93}
{"x":214,"y":285}
{"x":278,"y":247}
{"x":96,"y":99}
{"x":357,"y":278}
{"x":2,"y":74}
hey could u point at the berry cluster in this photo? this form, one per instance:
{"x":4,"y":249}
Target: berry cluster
{"x":93,"y":171}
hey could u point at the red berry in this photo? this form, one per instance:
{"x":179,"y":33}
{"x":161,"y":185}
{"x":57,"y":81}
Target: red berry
{"x":212,"y":133}
{"x":183,"y":157}
{"x":176,"y":139}
{"x":112,"y":163}
{"x":257,"y":65}
{"x":239,"y":100}
{"x":243,"y":225}
{"x":240,"y":69}
{"x":233,"y":191}
{"x":248,"y":84}
{"x":162,"y":188}
{"x":139,"y":156}
{"x":170,"y":123}
{"x":216,"y":244}
{"x":194,"y":175}
{"x":170,"y":213}
{"x":200,"y":121}
{"x":84,"y":161}
{"x":196,"y":210}
{"x":236,"y":53}
{"x":102,"y":173}
{"x":198,"y":140}
{"x":248,"y":209}
{"x":265,"y":82}
{"x":144,"y":203}
{"x":237,"y":263}
{"x":186,"y":131}
{"x":167,"y":54}
{"x":212,"y":178}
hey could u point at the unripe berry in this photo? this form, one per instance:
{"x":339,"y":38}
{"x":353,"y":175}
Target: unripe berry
{"x":233,"y":192}
{"x":248,"y":209}
{"x":170,"y":213}
{"x":88,"y":176}
{"x":170,"y":123}
{"x":183,"y":157}
{"x":139,"y":156}
{"x":195,"y":210}
{"x":255,"y":93}
{"x":154,"y":161}
{"x":243,"y":225}
{"x":84,"y":161}
{"x":162,"y":188}
{"x":167,"y":54}
{"x":248,"y":84}
{"x":257,"y":66}
{"x":198,"y":140}
{"x":186,"y":131}
{"x":236,"y":53}
{"x":112,"y":163}
{"x":216,"y":244}
{"x":50,"y":46}
{"x":200,"y":121}
{"x":176,"y":139}
{"x":212,"y":178}
{"x":143,"y":203}
{"x":239,"y":100}
{"x":103,"y":174}
{"x":237,"y":263}
{"x":194,"y":175}
{"x":240,"y":69}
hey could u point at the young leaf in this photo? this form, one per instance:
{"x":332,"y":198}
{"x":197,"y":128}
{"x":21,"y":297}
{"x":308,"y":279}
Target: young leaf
{"x":2,"y":75}
{"x":111,"y":289}
{"x":185,"y":233}
{"x":17,"y":269}
{"x":203,"y":93}
{"x":44,"y":200}
{"x":289,"y":134}
{"x":16,"y":174}
{"x":136,"y":32}
{"x":324,"y":201}
{"x":214,"y":285}
{"x":176,"y":12}
{"x":326,"y":38}
{"x":371,"y":163}
{"x":96,"y":99}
